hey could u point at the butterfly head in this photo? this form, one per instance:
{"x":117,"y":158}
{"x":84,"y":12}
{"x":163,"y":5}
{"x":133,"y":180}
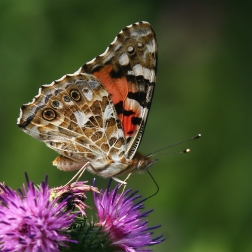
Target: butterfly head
{"x":142,"y":163}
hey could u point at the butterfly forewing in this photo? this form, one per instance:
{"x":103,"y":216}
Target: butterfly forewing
{"x":127,"y":69}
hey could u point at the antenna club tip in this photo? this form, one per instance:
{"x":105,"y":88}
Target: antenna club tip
{"x":187,"y":150}
{"x":197,"y":136}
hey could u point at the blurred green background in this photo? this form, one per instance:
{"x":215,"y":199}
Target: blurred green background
{"x":203,"y":86}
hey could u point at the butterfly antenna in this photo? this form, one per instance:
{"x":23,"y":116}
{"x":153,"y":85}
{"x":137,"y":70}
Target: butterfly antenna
{"x":177,"y":152}
{"x":169,"y":146}
{"x":155,"y":184}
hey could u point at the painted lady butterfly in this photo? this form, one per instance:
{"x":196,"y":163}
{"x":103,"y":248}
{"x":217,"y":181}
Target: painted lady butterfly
{"x":95,"y":118}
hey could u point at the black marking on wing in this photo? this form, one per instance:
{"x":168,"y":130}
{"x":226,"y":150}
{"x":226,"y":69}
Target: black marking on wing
{"x":131,"y":78}
{"x":128,"y":139}
{"x":47,"y":98}
{"x":94,"y":69}
{"x":57,"y":91}
{"x":139,"y":96}
{"x":119,"y":107}
{"x":38,"y":108}
{"x":136,"y":120}
{"x":128,"y":112}
{"x":28,"y":120}
{"x":116,"y":74}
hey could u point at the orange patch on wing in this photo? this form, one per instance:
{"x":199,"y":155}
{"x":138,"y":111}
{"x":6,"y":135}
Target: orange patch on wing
{"x":119,"y":88}
{"x":129,"y":128}
{"x":116,"y":87}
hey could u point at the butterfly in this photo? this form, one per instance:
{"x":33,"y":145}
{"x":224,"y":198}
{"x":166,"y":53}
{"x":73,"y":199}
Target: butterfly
{"x":95,"y":118}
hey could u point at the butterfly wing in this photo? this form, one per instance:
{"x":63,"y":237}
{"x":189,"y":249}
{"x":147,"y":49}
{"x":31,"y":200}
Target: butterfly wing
{"x":127,"y":69}
{"x":98,"y":114}
{"x":75,"y":117}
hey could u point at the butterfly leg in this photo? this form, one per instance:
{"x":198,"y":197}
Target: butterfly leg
{"x":124,"y":187}
{"x":78,"y":174}
{"x":120,"y":181}
{"x":124,"y":181}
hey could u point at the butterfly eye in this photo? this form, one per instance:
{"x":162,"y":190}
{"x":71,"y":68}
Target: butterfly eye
{"x":75,"y":95}
{"x":55,"y":104}
{"x":49,"y":114}
{"x":131,"y":49}
{"x":66,"y":98}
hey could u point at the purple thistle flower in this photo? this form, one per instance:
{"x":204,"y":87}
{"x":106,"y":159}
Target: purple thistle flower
{"x":122,"y":220}
{"x":29,"y":221}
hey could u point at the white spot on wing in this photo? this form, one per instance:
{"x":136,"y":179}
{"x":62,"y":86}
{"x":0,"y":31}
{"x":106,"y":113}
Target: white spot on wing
{"x":123,"y":59}
{"x":152,"y":76}
{"x":148,"y":74}
{"x":93,"y":84}
{"x":87,"y":92}
{"x":118,"y":46}
{"x":151,"y":46}
{"x":117,"y":134}
{"x":135,"y":34}
{"x":108,"y":112}
{"x":138,"y":70}
{"x":109,"y":57}
{"x":81,"y":118}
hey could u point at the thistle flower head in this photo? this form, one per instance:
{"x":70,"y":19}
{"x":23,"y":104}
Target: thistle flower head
{"x":121,"y":218}
{"x":29,"y":221}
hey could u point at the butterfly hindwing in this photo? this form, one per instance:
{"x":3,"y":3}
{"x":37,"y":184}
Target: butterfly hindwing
{"x":75,"y":117}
